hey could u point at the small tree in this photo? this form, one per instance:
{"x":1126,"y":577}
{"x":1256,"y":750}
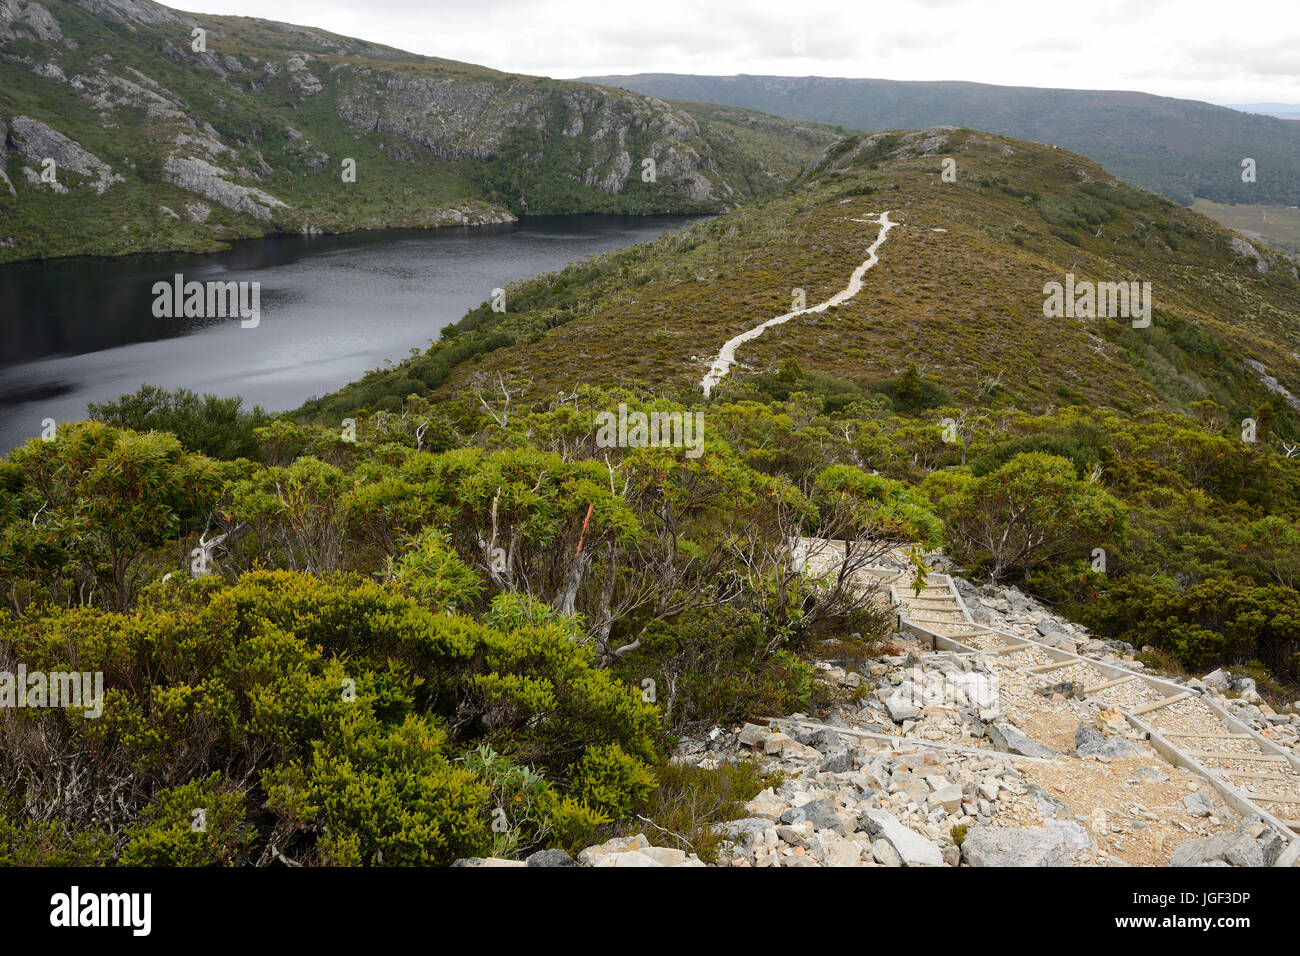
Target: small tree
{"x":789,"y":371}
{"x":106,"y":498}
{"x":1273,"y":544}
{"x":872,"y":515}
{"x":1032,"y":510}
{"x":910,"y":391}
{"x":212,"y":425}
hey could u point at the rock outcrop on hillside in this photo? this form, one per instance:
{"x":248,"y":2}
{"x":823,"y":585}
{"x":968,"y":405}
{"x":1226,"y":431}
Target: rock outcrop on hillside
{"x":21,"y":19}
{"x":35,"y":142}
{"x":201,"y":177}
{"x":4,"y":160}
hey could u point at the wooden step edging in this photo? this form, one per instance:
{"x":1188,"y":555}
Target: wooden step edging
{"x":1162,"y":702}
{"x":1044,"y":668}
{"x":937,"y":745}
{"x":1011,"y":648}
{"x":1173,"y":693}
{"x":1228,"y":755}
{"x":1235,"y":798}
{"x":1253,"y":774}
{"x":1113,"y":682}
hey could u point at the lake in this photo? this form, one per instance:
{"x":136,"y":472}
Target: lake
{"x":332,"y":307}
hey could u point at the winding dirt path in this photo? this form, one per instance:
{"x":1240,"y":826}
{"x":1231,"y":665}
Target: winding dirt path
{"x":727,"y":354}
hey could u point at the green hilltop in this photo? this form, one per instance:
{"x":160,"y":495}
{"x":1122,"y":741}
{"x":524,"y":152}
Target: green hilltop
{"x":160,"y":147}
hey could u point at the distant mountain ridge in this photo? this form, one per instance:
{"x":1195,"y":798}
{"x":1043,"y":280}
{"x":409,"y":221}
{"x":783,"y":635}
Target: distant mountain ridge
{"x":1286,"y":111}
{"x":1178,"y":148}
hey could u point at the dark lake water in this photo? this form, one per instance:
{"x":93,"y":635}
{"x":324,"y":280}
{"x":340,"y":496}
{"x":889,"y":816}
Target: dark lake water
{"x":74,"y":331}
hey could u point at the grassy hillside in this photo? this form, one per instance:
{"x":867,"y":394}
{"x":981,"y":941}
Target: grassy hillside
{"x":958,"y":292}
{"x":158,"y":146}
{"x":1179,"y":148}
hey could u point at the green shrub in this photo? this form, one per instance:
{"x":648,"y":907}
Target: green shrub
{"x":689,"y":801}
{"x":434,"y":575}
{"x":199,"y":823}
{"x":576,"y":826}
{"x":611,"y":781}
{"x":911,"y":392}
{"x":1080,"y":443}
{"x":51,"y":844}
{"x":714,"y":661}
{"x":1031,"y":511}
{"x":217,"y":427}
{"x":1221,"y":620}
{"x":383,"y":795}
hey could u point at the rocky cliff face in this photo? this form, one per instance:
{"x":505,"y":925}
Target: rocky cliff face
{"x":451,"y":118}
{"x":458,"y":120}
{"x":20,"y":19}
{"x":38,"y":144}
{"x":241,"y":121}
{"x":198,"y":176}
{"x":4,"y":159}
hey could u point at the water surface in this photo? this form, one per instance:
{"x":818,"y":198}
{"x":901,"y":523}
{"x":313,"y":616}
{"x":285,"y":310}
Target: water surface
{"x":332,"y":307}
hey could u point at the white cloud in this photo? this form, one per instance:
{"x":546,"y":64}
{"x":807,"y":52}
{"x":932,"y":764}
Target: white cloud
{"x":1200,"y":49}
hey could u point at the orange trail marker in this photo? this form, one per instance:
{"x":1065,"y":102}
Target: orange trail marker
{"x":584,"y":529}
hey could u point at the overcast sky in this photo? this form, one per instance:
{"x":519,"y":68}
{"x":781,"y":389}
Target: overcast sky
{"x":1224,"y":52}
